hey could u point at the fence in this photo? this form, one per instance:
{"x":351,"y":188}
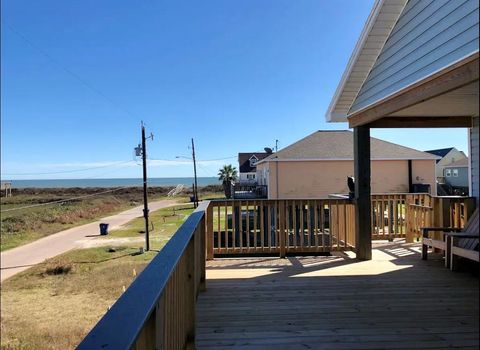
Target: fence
{"x":279,"y":226}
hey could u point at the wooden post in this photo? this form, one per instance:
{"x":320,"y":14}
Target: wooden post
{"x":281,"y":228}
{"x":409,"y":199}
{"x":202,"y":258}
{"x":209,"y":232}
{"x":363,"y":226}
{"x":441,"y":218}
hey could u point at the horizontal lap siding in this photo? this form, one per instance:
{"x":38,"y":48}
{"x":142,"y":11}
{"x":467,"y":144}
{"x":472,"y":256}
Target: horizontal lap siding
{"x":429,"y":35}
{"x":319,"y":179}
{"x":474,"y":141}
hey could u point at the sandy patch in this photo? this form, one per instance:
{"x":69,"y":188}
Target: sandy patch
{"x":92,"y":243}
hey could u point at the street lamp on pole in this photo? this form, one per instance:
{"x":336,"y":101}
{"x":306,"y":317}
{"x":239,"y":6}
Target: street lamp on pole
{"x":195,"y":189}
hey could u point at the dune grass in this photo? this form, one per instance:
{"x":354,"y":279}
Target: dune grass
{"x":23,"y":226}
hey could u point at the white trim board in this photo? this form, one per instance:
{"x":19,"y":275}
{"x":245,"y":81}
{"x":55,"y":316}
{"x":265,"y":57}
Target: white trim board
{"x":337,"y":159}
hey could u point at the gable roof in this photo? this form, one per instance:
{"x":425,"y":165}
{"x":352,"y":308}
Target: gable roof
{"x":338,"y":145}
{"x":442,"y":152}
{"x":376,"y":30}
{"x":244,"y":160}
{"x":462,"y":163}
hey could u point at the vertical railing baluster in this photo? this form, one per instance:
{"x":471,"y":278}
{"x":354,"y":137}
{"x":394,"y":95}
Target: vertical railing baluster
{"x":255,"y":222}
{"x":262,"y":225}
{"x":225,"y":224}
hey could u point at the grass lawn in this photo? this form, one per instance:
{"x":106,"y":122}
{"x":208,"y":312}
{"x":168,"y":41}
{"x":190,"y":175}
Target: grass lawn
{"x":26,"y":225}
{"x":163,"y":223}
{"x":55,"y":304}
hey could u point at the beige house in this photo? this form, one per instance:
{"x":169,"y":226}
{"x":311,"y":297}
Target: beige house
{"x":318,"y":165}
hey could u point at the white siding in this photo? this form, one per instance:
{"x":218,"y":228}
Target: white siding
{"x":428,"y":36}
{"x":474,"y":140}
{"x":248,"y":177}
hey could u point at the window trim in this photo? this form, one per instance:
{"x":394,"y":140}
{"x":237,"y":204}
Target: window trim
{"x":250,"y":161}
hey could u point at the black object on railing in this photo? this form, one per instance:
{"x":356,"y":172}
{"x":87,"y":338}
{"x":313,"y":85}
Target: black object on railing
{"x":351,"y":187}
{"x":131,"y":315}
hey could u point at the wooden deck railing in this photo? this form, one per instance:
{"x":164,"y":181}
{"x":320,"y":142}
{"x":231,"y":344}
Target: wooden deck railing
{"x":279,"y":226}
{"x":158,"y":310}
{"x":423,"y":210}
{"x":323,"y":225}
{"x":388,"y":216}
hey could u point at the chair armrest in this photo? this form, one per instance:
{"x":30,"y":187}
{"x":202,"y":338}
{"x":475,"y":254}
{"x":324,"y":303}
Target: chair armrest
{"x":461,"y":235}
{"x":425,"y":230}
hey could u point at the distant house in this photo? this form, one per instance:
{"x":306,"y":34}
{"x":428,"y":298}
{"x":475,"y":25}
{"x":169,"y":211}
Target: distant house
{"x":318,"y":165}
{"x":7,"y":187}
{"x":248,"y":165}
{"x":456,"y":174}
{"x":448,"y":156}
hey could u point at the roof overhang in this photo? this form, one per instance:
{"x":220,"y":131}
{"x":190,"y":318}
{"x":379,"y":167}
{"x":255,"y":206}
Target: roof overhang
{"x":446,"y":98}
{"x":378,"y":26}
{"x":456,"y":166}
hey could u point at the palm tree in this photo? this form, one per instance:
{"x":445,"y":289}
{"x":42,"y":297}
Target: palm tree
{"x":227,"y":175}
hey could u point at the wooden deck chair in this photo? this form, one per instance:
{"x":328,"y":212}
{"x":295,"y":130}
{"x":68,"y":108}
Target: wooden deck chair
{"x":470,"y":230}
{"x":464,"y":244}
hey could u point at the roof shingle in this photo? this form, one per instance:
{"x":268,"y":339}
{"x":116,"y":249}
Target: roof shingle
{"x":336,"y":145}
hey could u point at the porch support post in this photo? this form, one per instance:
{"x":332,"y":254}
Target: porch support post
{"x":363,"y":226}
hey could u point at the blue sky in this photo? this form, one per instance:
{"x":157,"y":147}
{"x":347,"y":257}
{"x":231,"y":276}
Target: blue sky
{"x":79,"y":76}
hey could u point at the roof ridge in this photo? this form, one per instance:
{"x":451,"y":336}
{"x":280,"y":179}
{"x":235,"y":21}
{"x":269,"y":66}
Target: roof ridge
{"x":439,"y":149}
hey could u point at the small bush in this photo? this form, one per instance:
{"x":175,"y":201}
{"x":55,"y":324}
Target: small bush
{"x":58,"y":268}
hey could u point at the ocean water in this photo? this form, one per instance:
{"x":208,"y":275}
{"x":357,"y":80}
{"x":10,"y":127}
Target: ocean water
{"x":159,"y":181}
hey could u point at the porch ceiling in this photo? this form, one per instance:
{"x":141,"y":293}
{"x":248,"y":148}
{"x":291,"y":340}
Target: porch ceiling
{"x":448,"y":98}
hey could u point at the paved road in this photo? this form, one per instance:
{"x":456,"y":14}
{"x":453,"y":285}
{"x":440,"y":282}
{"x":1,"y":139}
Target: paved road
{"x":21,"y":258}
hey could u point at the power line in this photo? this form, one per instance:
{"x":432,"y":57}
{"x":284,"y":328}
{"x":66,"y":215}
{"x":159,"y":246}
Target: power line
{"x":198,"y":160}
{"x":105,"y":166}
{"x":206,"y":171}
{"x":99,"y":176}
{"x":70,"y":171}
{"x":211,"y":160}
{"x":67,"y":70}
{"x":64,"y":200}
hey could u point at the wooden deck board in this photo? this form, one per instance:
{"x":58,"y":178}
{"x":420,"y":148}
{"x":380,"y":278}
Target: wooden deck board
{"x":395,"y":301}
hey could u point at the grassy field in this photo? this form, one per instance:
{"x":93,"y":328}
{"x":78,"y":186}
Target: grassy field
{"x":55,"y":304}
{"x":25,"y":225}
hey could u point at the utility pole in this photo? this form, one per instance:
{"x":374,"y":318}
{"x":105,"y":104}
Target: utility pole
{"x":145,"y":197}
{"x":276,"y":146}
{"x":195,"y":189}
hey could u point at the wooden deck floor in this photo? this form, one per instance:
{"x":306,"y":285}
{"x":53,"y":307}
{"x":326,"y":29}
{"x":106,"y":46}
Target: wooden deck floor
{"x":395,"y":301}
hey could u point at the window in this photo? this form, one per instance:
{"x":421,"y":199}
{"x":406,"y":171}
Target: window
{"x":250,"y":176}
{"x":455,"y":172}
{"x":448,"y":172}
{"x":253,"y":161}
